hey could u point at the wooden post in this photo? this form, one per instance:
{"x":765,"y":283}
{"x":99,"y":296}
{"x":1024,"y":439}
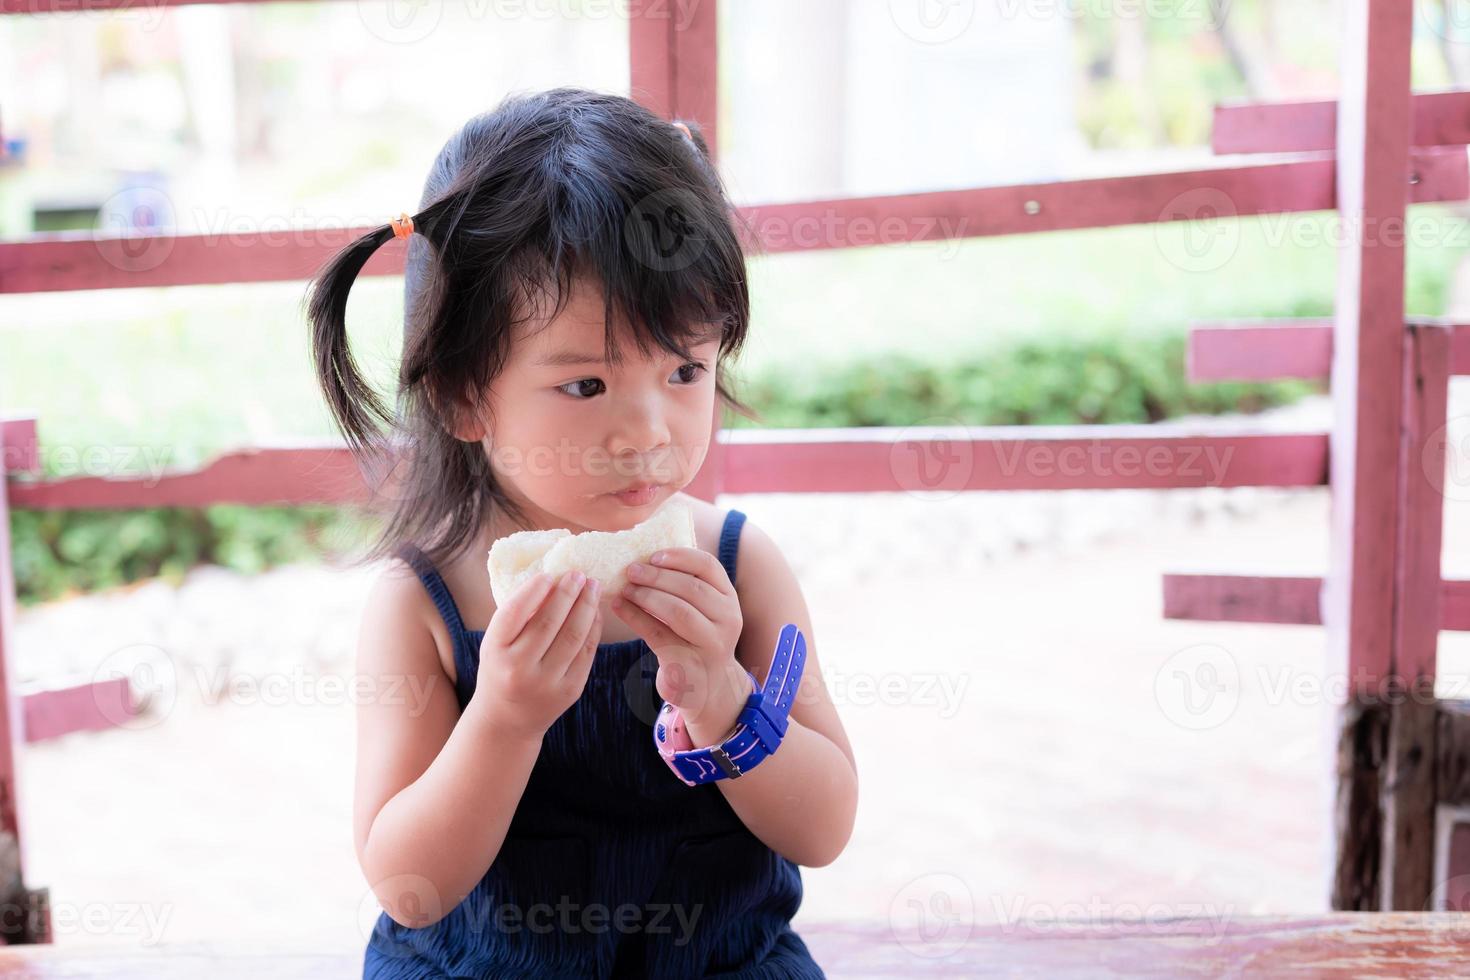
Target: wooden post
{"x":672,"y":63}
{"x":1451,"y":878}
{"x":672,"y":60}
{"x":1408,"y":788}
{"x":1373,"y":127}
{"x":26,"y":919}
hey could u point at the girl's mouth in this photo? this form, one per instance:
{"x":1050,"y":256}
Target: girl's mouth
{"x":637,"y":497}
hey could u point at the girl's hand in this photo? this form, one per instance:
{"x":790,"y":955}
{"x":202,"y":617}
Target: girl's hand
{"x":685,"y":607}
{"x":537,"y":652}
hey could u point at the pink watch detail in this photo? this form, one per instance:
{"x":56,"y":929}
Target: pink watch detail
{"x":758,"y":731}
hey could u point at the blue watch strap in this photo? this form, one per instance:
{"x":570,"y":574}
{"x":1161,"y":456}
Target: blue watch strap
{"x":784,"y":677}
{"x":761,"y":725}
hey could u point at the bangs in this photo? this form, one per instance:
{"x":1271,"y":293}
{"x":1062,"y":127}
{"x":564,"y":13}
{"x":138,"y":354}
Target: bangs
{"x":669,"y":263}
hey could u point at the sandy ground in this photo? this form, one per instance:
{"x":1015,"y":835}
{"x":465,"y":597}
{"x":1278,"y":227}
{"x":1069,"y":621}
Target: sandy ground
{"x":1028,"y":730}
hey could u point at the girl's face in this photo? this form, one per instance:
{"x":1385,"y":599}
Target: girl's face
{"x":567,"y":429}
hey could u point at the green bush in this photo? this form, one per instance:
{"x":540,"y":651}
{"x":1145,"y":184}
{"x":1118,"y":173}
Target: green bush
{"x":1049,"y":381}
{"x":59,"y":553}
{"x":1057,"y":380}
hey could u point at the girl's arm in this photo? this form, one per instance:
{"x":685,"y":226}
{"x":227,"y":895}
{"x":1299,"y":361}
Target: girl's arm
{"x":802,"y":800}
{"x":434,"y":791}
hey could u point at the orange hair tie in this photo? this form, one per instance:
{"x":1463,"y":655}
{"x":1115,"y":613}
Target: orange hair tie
{"x":685,"y":130}
{"x":402,"y":225}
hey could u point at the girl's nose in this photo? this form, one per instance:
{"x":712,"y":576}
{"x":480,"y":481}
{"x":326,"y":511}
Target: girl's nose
{"x":642,"y":429}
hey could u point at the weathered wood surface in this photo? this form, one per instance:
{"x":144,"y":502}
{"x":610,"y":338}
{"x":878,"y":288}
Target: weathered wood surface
{"x":1340,"y":944}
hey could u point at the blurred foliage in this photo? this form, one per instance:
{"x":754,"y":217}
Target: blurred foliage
{"x":61,"y":553}
{"x":1051,"y":381}
{"x":1045,"y":381}
{"x":1151,"y":71}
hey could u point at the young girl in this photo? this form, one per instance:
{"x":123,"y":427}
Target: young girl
{"x":574,"y":285}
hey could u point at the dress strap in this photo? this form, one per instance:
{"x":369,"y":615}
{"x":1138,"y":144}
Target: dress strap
{"x":434,"y":583}
{"x":730,"y":541}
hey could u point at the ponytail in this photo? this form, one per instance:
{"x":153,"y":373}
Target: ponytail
{"x":355,"y":406}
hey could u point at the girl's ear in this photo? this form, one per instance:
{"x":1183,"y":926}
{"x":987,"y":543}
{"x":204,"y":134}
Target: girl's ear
{"x":462,"y":420}
{"x":467,"y":427}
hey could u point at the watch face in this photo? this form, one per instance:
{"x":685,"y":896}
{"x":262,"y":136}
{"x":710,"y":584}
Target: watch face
{"x":669,"y":731}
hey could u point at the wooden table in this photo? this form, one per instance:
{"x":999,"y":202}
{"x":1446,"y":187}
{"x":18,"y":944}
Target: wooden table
{"x":1344,"y":944}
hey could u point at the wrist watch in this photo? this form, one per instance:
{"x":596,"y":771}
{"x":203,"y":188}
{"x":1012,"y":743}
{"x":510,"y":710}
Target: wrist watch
{"x":757,"y":732}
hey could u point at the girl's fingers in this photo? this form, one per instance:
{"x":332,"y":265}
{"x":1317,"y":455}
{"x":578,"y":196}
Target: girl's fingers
{"x":581,"y":665}
{"x":579,"y":625}
{"x":677,"y":614}
{"x":639,"y":621}
{"x":697,"y":562}
{"x":510,"y":619}
{"x":546,"y":621}
{"x":676,"y":581}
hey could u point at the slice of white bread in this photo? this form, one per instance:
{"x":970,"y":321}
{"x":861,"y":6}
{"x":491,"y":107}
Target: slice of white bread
{"x":602,"y":555}
{"x":517,"y":557}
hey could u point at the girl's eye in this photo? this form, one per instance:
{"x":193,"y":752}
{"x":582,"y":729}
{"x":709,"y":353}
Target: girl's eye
{"x":576,"y":390}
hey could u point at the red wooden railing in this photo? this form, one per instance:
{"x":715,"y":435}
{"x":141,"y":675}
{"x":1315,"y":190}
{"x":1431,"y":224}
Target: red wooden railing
{"x":1388,"y":374}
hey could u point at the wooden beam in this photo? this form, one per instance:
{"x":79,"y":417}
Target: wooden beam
{"x":1270,"y":188}
{"x":71,"y":261}
{"x":62,"y":708}
{"x":1439,"y":119}
{"x":1262,"y":350}
{"x":863,"y":460}
{"x":294,"y":475}
{"x":937,"y":460}
{"x":1050,"y":940}
{"x":1285,"y":599}
{"x":82,"y":6}
{"x":19,"y":451}
{"x":1277,"y":350}
{"x":66,"y":261}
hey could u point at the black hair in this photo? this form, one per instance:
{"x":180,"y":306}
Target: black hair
{"x":544,"y":188}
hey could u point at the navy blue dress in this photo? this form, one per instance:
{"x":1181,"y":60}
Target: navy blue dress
{"x":611,"y":866}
